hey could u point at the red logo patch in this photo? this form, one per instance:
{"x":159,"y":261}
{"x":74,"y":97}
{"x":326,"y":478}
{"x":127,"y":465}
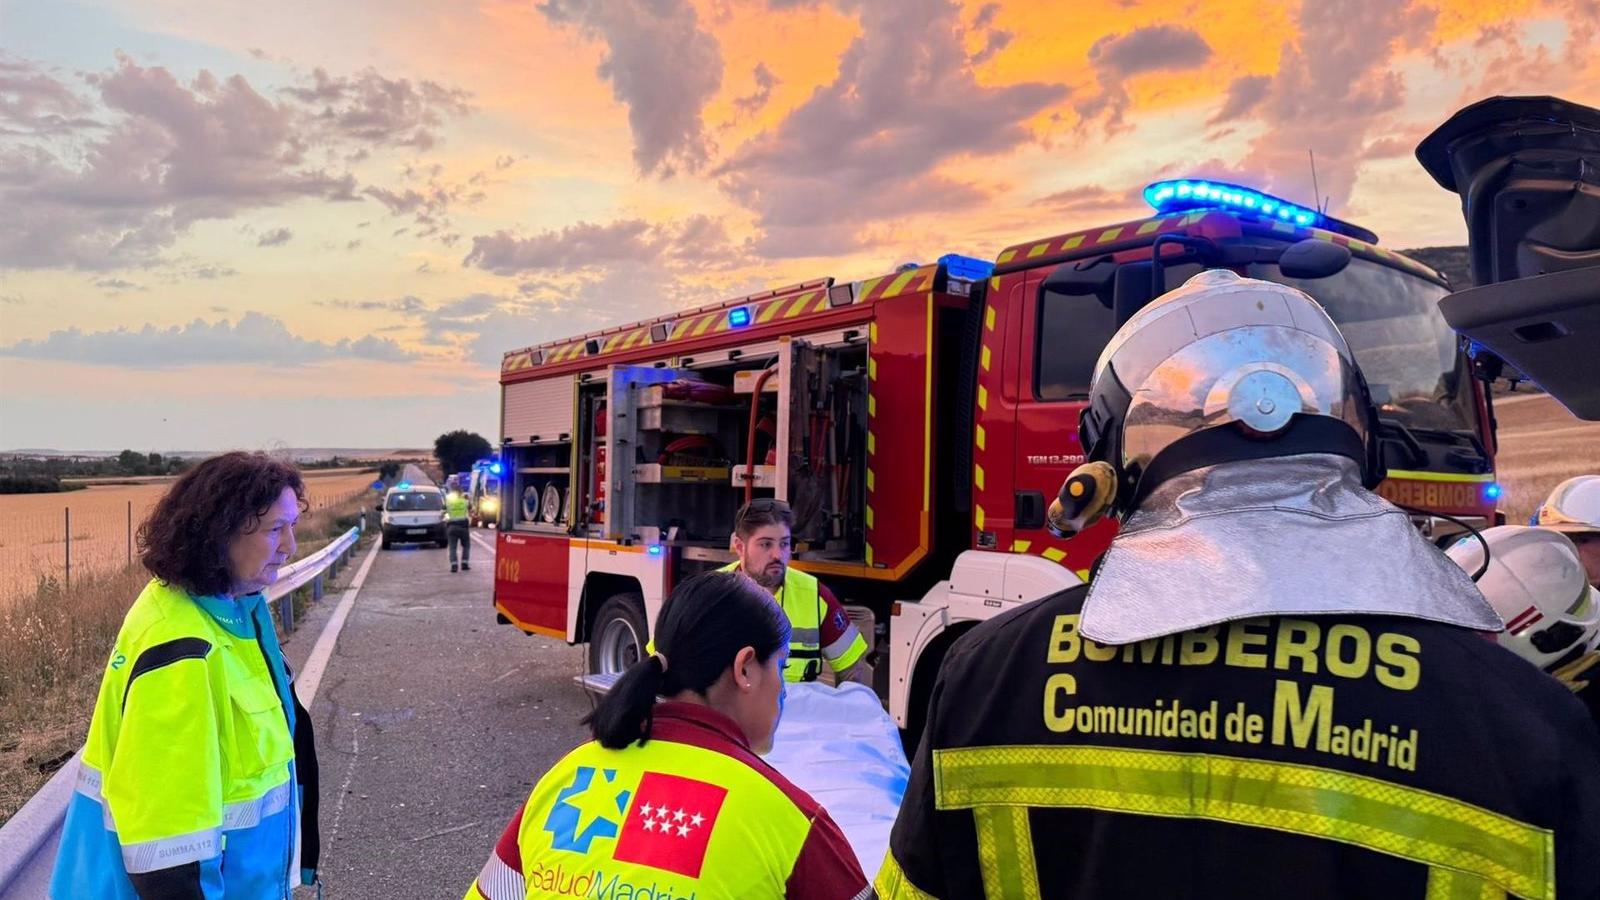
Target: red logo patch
{"x":669,"y":823}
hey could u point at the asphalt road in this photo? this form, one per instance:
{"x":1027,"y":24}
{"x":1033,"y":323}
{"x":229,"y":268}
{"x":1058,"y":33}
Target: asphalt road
{"x":433,"y":722}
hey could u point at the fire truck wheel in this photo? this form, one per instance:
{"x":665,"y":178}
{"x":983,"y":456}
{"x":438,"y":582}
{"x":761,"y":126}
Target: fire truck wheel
{"x":617,"y":639}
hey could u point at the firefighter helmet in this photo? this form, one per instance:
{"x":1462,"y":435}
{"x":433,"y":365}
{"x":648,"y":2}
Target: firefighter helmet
{"x":1222,"y":369}
{"x":1573,"y":506}
{"x":1537,"y":585}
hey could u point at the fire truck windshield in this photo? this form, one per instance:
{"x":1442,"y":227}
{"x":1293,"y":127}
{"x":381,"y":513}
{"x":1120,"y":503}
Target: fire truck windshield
{"x":1406,"y":351}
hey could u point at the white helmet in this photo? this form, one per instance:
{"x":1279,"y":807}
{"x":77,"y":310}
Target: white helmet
{"x":1573,"y":506}
{"x":1537,"y":585}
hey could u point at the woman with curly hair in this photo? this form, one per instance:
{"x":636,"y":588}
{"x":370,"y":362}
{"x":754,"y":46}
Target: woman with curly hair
{"x":198,"y":778}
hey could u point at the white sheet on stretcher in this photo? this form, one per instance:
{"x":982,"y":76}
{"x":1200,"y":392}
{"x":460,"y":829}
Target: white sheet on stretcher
{"x":839,"y":746}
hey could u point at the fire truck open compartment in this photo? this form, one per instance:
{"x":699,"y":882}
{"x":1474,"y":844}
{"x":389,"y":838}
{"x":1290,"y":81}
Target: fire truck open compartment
{"x":536,"y":451}
{"x":668,"y":453}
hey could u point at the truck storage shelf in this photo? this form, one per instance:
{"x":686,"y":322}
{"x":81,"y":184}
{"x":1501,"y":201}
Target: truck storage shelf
{"x":658,"y":473}
{"x":538,"y":528}
{"x":652,"y":403}
{"x":545,"y":470}
{"x":764,"y":476}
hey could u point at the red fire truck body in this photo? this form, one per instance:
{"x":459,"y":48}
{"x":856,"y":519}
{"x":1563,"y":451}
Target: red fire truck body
{"x":918,"y":423}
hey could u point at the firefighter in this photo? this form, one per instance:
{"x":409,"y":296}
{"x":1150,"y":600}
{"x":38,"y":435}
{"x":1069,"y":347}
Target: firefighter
{"x":1272,"y":687}
{"x":763,"y":539}
{"x":1537,"y":584}
{"x":1573,"y":509}
{"x":671,"y":799}
{"x":198,"y":779}
{"x":457,"y":530}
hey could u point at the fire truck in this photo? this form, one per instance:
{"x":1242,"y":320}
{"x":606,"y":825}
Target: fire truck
{"x":918,"y":424}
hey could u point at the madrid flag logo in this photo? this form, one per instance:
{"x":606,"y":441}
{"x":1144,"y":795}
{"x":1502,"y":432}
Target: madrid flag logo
{"x":669,"y":824}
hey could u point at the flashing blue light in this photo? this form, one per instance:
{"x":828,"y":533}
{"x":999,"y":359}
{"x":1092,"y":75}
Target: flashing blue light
{"x":655,"y":550}
{"x":1171,"y":196}
{"x":404,"y":485}
{"x":966,"y":267}
{"x":1492,"y":491}
{"x":739,"y":316}
{"x":494,"y":469}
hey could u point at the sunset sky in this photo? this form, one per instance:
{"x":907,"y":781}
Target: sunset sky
{"x":320,"y":224}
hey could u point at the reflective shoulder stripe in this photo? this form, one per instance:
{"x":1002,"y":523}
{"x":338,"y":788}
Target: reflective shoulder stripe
{"x":807,"y":636}
{"x":164,"y":654}
{"x":892,"y":883}
{"x":847,"y":650}
{"x":249,"y":813}
{"x":165,"y":853}
{"x":499,"y":881}
{"x":1422,"y":826}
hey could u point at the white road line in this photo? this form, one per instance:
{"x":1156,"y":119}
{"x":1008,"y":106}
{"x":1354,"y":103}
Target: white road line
{"x":310,"y":675}
{"x":483,"y":543}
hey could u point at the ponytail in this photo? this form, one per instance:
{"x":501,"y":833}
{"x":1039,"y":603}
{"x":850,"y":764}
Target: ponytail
{"x":703,"y":625}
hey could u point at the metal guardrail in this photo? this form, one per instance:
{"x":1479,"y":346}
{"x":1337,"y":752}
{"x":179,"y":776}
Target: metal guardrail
{"x":28,"y":841}
{"x":324,"y":563}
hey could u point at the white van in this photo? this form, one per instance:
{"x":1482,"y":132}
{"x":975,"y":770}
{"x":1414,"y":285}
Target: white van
{"x":412,"y":514}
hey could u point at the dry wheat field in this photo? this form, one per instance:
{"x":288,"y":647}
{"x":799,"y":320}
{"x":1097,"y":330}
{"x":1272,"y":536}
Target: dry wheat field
{"x":1541,"y":444}
{"x":33,"y":527}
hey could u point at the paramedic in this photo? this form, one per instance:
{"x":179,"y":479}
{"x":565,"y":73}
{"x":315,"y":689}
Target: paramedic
{"x":199,"y":776}
{"x":763,"y":539}
{"x":671,"y":798}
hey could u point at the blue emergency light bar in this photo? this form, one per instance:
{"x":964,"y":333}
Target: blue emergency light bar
{"x":966,"y":268}
{"x":494,"y":469}
{"x":739,"y":316}
{"x":1492,"y":491}
{"x":404,"y":485}
{"x":1189,"y":193}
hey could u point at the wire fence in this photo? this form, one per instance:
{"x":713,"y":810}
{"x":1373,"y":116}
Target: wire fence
{"x":74,"y":539}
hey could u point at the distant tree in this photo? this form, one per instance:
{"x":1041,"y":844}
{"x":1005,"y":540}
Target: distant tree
{"x":389,"y":471}
{"x":132,"y":462}
{"x":154,"y":462}
{"x":457,"y":450}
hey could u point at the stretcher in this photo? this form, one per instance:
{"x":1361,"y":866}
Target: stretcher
{"x":841,"y":747}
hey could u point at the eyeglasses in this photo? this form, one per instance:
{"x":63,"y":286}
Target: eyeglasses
{"x":761,"y":505}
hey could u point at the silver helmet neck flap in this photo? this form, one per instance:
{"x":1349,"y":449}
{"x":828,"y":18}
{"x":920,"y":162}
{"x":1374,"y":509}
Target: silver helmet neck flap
{"x":1239,"y":431}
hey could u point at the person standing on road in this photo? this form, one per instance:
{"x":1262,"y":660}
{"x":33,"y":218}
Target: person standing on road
{"x":763,"y":540}
{"x":671,"y":798}
{"x":457,"y":528}
{"x":1274,"y":686}
{"x":198,"y":779}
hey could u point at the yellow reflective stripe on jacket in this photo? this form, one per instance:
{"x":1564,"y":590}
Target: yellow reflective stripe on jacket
{"x":1005,"y":852}
{"x":1448,"y":884}
{"x":1402,"y":821}
{"x":892,"y":883}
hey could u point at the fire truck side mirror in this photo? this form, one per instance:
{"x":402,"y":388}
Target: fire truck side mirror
{"x":1312,"y":259}
{"x":1080,"y":279}
{"x":1134,"y":290}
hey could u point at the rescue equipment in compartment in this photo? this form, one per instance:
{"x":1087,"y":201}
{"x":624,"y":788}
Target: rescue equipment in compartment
{"x":683,"y":451}
{"x":550,"y":507}
{"x":597,"y":508}
{"x":697,"y":392}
